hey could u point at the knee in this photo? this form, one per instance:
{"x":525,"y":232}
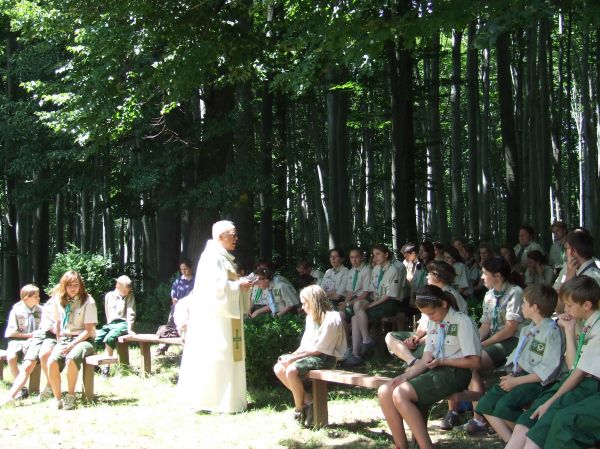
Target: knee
{"x":291,"y":371}
{"x":389,"y":339}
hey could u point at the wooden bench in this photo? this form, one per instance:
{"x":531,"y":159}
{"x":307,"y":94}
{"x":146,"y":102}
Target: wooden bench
{"x":34,"y":378}
{"x":91,"y":362}
{"x":144,"y":341}
{"x":320,"y":378}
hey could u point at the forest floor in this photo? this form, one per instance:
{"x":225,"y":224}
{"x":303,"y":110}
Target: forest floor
{"x":132,"y":411}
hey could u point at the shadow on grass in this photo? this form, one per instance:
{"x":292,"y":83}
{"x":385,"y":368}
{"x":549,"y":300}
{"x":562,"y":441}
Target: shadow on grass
{"x":107,"y":400}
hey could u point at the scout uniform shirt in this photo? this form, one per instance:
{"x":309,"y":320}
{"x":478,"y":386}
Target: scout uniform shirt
{"x":359,"y":280}
{"x":522,"y":251}
{"x":461,"y":280}
{"x":507,"y":308}
{"x":456,"y":336}
{"x":589,"y":359}
{"x":542,"y":349}
{"x":384,"y":281}
{"x":118,"y":308}
{"x":536,"y":278}
{"x":588,"y":268}
{"x":258,"y":296}
{"x":22,"y":319}
{"x":335,"y":279}
{"x":557,"y":257}
{"x":328,"y":338}
{"x":73,"y":322}
{"x":283,"y":292}
{"x":460,"y":301}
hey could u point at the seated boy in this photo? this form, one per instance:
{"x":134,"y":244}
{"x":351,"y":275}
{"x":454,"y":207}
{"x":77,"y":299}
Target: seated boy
{"x":23,"y":319}
{"x":119,"y":307}
{"x":534,"y":364}
{"x":40,"y":347}
{"x":280,"y":294}
{"x":581,"y":323}
{"x":576,"y":426}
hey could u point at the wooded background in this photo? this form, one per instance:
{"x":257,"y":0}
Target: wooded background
{"x":127,"y":127}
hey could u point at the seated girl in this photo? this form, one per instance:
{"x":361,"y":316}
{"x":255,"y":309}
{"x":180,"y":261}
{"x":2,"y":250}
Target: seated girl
{"x":452,"y":350}
{"x":323,"y":343}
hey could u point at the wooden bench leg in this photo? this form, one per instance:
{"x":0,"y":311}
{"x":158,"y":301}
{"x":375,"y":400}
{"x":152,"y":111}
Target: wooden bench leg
{"x":319,"y":393}
{"x":88,"y":381}
{"x":34,"y":379}
{"x":146,"y":357}
{"x":123,"y":351}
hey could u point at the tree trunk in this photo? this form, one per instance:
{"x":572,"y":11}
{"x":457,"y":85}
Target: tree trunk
{"x":473,"y":131}
{"x":265,"y":195}
{"x":458,"y":226}
{"x":509,"y":140}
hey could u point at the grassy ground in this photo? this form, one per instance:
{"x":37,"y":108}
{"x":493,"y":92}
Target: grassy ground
{"x":132,"y":411}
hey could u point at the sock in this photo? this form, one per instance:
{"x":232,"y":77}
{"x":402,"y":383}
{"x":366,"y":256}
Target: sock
{"x":479,"y":423}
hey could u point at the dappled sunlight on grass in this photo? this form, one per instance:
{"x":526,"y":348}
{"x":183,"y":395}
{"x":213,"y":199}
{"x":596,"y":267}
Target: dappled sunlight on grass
{"x":139,"y":411}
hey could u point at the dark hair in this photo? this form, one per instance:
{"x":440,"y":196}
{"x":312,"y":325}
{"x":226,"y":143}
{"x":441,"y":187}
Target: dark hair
{"x":580,"y":289}
{"x":384,"y":249}
{"x":469,"y":248}
{"x":264,"y":271}
{"x":187,"y":262}
{"x":338,"y":250}
{"x":304,"y":280}
{"x":453,"y":252}
{"x":443,"y":271}
{"x":304,"y":263}
{"x":263,"y":262}
{"x":581,"y":240}
{"x":438,"y":245}
{"x":529,"y":230}
{"x":433,"y":296}
{"x":355,"y":248}
{"x":488,"y":246}
{"x":543,"y":296}
{"x":428,"y":247}
{"x":499,"y":265}
{"x":511,"y":254}
{"x":559,"y":224}
{"x":536,"y":256}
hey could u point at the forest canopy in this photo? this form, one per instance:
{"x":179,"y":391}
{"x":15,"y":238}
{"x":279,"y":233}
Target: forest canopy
{"x":127,"y":127}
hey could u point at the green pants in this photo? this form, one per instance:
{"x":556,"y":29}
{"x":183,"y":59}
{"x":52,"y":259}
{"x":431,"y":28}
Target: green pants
{"x":110,"y":333}
{"x":576,"y":426}
{"x":403,"y":335}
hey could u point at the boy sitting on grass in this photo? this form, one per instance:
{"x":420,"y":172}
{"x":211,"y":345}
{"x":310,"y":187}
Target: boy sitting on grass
{"x":534,"y":364}
{"x":581,"y":322}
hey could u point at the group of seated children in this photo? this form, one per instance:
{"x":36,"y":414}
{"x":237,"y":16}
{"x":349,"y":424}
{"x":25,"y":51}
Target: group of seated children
{"x":62,"y":333}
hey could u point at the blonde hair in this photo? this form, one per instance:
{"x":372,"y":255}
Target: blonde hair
{"x":124,"y":280}
{"x":317,"y":300}
{"x":60,"y":289}
{"x":28,"y":290}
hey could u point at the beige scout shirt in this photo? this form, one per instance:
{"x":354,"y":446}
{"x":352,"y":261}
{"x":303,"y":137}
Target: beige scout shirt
{"x":335,"y":279}
{"x":461,"y":280}
{"x":543,"y":351}
{"x":328,"y":338}
{"x":79,"y":316}
{"x":389,"y":284}
{"x":258,"y":296}
{"x":118,"y":308}
{"x":557,"y":257}
{"x":19,"y":317}
{"x":283,"y":292}
{"x":460,"y":301}
{"x":461,"y":340}
{"x":536,"y":278}
{"x":588,"y":268}
{"x":363,"y":280}
{"x":526,"y":250}
{"x":510,"y":307}
{"x":589,"y":360}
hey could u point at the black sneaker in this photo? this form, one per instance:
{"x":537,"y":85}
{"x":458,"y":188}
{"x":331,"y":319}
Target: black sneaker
{"x":449,"y":421}
{"x":352,"y":361}
{"x":22,"y":394}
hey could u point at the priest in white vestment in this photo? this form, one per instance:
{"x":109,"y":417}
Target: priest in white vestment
{"x":212,"y":376}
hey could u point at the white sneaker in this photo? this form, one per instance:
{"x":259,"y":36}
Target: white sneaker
{"x":69,"y":402}
{"x":58,"y":404}
{"x":45,"y":394}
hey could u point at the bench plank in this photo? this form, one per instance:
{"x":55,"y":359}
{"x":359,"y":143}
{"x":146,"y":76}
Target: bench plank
{"x":349,"y":378}
{"x":144,"y":341}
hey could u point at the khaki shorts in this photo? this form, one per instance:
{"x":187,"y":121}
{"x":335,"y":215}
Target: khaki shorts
{"x":77,"y":354}
{"x":41,"y":343}
{"x":17,"y":346}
